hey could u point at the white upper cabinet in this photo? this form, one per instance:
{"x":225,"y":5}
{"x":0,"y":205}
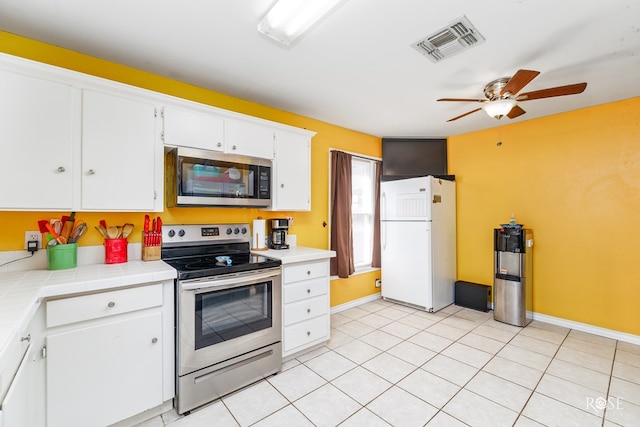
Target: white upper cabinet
{"x":118,"y":150}
{"x":36,"y":140}
{"x":249,"y":139}
{"x":291,"y":188}
{"x":75,"y":142}
{"x":191,"y":128}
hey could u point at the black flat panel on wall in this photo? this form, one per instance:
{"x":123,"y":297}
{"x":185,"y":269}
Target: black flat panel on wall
{"x":412,"y":157}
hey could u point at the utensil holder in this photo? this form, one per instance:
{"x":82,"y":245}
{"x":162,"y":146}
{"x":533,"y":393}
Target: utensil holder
{"x":62,"y":257}
{"x":151,"y":245}
{"x":115,"y":251}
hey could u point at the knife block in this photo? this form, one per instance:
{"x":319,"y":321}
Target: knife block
{"x":151,"y":244}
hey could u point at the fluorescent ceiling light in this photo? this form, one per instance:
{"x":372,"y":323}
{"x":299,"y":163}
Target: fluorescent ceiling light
{"x":499,"y":107}
{"x":289,"y":19}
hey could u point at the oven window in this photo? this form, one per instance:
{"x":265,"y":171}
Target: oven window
{"x":232,"y":313}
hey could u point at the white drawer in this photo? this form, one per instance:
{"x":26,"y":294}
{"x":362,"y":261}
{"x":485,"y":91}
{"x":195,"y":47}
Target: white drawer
{"x":309,"y":270}
{"x":306,"y":333}
{"x":96,"y":306}
{"x":304,"y":290}
{"x":305,"y":310}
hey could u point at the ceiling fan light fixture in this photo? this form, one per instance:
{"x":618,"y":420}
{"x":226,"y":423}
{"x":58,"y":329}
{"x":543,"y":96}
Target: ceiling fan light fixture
{"x":289,"y":19}
{"x":499,"y":107}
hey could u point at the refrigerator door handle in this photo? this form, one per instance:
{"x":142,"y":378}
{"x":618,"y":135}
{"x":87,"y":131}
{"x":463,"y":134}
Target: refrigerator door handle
{"x":383,"y":203}
{"x":383,"y":233}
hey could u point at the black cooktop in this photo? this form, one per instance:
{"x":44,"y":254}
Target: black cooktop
{"x":199,"y":267}
{"x":195,"y":262}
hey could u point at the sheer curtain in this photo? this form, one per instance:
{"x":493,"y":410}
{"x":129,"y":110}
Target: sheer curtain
{"x":375,"y":256}
{"x":341,"y":229}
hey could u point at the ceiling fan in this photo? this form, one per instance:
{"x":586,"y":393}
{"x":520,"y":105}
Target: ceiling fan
{"x":502,"y":95}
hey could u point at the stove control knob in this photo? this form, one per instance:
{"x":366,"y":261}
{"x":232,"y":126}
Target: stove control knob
{"x":229,"y":231}
{"x":236,"y":230}
{"x":244,"y":230}
{"x":181,"y":233}
{"x":171,"y":233}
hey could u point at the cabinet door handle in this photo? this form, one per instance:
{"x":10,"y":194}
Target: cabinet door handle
{"x":27,"y":338}
{"x":233,"y":148}
{"x":281,"y":185}
{"x":308,"y":291}
{"x":61,"y":169}
{"x":111,"y":304}
{"x":308,"y":333}
{"x":308,"y":272}
{"x":154,"y":340}
{"x":219,"y":144}
{"x":91,"y":172}
{"x":308,"y":310}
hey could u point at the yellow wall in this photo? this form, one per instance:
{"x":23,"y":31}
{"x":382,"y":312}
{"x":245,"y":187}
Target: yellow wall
{"x":574,"y":179}
{"x":307,"y":225}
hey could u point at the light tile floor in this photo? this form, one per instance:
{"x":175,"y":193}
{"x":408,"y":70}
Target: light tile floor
{"x":387,"y":364}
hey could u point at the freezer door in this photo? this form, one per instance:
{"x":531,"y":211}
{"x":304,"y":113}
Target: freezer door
{"x":406,"y":199}
{"x":406,"y":262}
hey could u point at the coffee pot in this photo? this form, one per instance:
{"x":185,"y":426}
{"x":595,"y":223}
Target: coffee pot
{"x":279,"y":228}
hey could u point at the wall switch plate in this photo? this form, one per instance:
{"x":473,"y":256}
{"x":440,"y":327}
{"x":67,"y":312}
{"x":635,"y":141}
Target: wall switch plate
{"x":32,"y":236}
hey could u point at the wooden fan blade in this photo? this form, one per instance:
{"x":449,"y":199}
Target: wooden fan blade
{"x":519,"y":80}
{"x":465,"y":114}
{"x":515,"y":112}
{"x":461,"y":100}
{"x":553,"y":91}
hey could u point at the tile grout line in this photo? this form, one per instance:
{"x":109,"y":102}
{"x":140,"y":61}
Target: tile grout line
{"x":533,"y":391}
{"x":415,"y":368}
{"x":471,"y":379}
{"x":613,"y":363}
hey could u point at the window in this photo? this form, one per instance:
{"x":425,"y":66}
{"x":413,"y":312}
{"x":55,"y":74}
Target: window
{"x":354,"y":213}
{"x":363,"y":175}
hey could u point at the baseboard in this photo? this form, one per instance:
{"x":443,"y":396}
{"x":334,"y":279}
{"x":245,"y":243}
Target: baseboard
{"x":590,"y":329}
{"x":578,"y":326}
{"x":355,"y":303}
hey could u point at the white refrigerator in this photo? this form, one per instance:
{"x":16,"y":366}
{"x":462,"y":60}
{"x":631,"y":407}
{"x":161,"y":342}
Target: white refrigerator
{"x":418,"y":241}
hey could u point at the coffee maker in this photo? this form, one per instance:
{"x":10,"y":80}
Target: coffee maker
{"x":279,"y":228}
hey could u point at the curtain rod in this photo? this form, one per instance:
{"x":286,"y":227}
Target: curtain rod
{"x":362,"y":156}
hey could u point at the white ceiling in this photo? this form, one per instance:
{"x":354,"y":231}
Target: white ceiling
{"x":357,"y":68}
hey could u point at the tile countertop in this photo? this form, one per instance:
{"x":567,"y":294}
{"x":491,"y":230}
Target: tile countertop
{"x":296,"y":254}
{"x":21,"y":292}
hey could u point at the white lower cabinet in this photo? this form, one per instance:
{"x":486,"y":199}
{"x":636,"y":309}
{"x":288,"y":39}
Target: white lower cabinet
{"x":106,"y":356}
{"x":305,"y":296}
{"x":24,"y":402}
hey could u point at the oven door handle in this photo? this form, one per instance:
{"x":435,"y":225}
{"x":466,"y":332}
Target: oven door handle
{"x":243,"y":279}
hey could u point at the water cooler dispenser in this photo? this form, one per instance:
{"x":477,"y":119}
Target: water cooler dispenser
{"x":512,"y":283}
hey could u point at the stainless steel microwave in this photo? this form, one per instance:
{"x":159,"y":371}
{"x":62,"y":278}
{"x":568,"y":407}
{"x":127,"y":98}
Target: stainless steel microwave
{"x":209,"y":178}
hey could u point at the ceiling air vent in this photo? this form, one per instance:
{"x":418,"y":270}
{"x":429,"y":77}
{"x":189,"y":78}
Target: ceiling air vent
{"x":459,"y":35}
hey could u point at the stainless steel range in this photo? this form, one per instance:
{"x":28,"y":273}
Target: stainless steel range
{"x":228,"y":311}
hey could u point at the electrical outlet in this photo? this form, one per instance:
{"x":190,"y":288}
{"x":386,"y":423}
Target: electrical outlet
{"x":378,"y":283}
{"x":32,"y":236}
